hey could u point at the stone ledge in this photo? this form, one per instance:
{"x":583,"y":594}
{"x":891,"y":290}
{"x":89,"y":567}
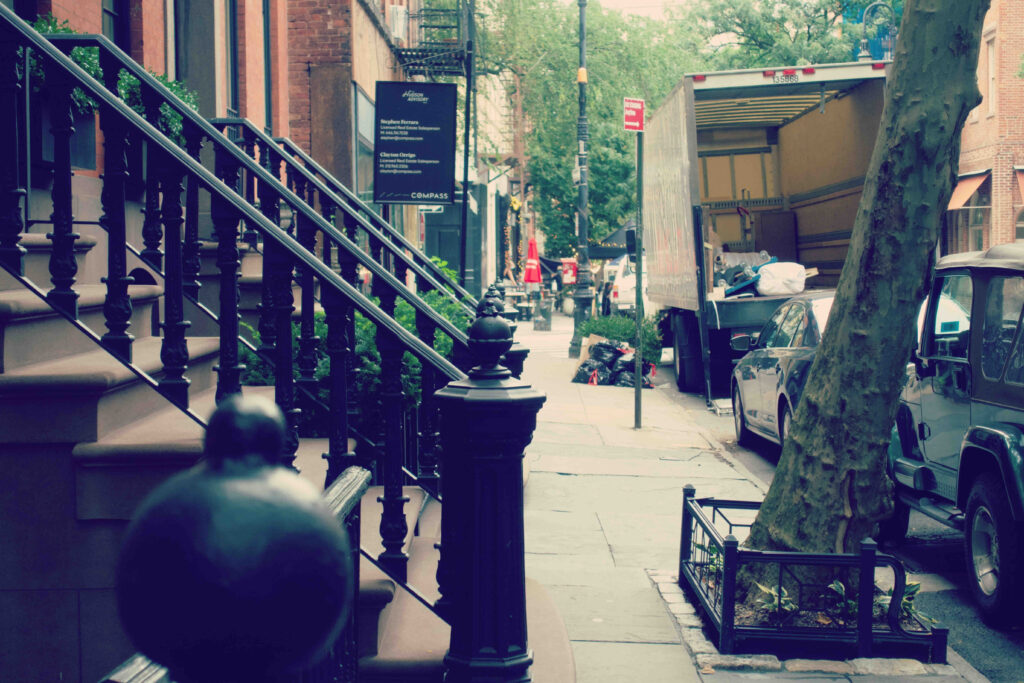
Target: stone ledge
{"x":739,"y":662}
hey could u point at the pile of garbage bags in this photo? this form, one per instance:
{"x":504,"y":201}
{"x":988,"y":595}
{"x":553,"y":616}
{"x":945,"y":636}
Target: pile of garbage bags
{"x":750,"y":273}
{"x":611,"y":363}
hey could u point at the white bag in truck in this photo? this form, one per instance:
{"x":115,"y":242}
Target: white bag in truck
{"x":781,"y":278}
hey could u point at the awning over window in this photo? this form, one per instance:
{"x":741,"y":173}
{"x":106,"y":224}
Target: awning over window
{"x":964,"y":189}
{"x":1019,"y":172}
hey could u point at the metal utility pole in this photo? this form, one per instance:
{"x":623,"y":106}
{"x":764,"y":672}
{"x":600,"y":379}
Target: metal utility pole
{"x":464,"y":233}
{"x":584,"y":282}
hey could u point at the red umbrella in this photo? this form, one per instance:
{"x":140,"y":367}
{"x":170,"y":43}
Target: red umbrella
{"x":532,"y":272}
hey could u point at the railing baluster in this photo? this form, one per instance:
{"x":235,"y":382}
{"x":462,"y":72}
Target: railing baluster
{"x":152,"y":229}
{"x":429,"y":437}
{"x":191,"y":263}
{"x":225,"y":225}
{"x":339,"y":350}
{"x":174,"y":350}
{"x":308,"y":341}
{"x":393,"y":527}
{"x":62,"y":260}
{"x":117,"y":308}
{"x":11,"y":191}
{"x":278,"y":271}
{"x":250,"y":236}
{"x":269,"y":207}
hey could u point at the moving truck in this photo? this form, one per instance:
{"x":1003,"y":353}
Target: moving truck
{"x":742,"y":162}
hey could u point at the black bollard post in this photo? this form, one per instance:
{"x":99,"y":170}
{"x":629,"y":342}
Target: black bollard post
{"x":487,"y":421}
{"x":235,"y":570}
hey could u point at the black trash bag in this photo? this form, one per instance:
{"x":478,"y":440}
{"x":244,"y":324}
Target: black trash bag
{"x":625,"y":362}
{"x":592,"y":372}
{"x":626,"y":378}
{"x":606,"y":352}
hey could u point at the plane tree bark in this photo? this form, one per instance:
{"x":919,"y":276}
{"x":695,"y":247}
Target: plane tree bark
{"x":831,"y":489}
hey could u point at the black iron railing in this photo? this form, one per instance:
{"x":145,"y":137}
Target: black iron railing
{"x":176,"y":178}
{"x":837,"y":617}
{"x":358,"y":206}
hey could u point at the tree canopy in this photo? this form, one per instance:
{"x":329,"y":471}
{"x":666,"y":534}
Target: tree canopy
{"x":739,"y":34}
{"x":627,"y":56}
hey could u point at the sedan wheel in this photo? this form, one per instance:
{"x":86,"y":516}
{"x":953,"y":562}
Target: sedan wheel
{"x":743,"y":435}
{"x":993,"y":552}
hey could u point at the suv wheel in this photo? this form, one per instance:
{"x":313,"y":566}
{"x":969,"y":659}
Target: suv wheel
{"x":743,"y":436}
{"x":993,"y":551}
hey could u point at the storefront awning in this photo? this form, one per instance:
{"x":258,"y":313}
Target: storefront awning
{"x":964,"y":189}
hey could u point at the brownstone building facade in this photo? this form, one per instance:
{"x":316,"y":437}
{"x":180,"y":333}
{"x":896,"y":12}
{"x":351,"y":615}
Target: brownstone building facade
{"x":987,"y":207}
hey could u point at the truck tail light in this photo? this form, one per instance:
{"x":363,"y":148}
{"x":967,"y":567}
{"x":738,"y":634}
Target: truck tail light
{"x":768,"y":73}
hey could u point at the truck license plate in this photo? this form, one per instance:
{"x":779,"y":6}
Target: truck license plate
{"x":786,"y":78}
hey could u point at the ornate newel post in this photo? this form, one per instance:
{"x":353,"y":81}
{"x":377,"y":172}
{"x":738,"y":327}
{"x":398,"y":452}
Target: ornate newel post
{"x":487,"y":420}
{"x":235,"y":570}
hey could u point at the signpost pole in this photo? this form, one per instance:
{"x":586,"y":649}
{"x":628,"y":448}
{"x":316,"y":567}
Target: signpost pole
{"x":638,"y":370}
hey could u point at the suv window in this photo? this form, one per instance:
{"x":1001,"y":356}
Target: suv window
{"x":1002,"y":314}
{"x":953,"y":317}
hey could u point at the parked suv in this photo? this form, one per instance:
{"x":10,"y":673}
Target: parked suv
{"x":958,"y":449}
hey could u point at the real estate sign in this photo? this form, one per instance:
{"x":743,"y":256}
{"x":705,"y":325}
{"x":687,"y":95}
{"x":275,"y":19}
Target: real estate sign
{"x":414,"y":143}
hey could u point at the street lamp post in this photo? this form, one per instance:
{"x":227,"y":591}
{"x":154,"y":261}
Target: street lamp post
{"x":584,"y":281}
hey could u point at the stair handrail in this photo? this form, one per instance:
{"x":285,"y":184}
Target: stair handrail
{"x":244,"y":161}
{"x":386,"y":240}
{"x":293,"y":149}
{"x":215,"y":185}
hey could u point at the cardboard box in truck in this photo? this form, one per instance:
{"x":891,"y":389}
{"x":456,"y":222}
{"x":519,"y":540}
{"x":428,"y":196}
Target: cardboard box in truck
{"x":744,"y":162}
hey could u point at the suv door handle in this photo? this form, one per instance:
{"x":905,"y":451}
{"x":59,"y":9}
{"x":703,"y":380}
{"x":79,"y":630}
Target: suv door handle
{"x":923,"y":431}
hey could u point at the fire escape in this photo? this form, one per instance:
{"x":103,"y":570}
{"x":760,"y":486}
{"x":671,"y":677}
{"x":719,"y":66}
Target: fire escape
{"x":440,"y":35}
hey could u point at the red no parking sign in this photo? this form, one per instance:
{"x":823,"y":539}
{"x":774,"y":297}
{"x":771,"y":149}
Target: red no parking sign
{"x":633,"y":114}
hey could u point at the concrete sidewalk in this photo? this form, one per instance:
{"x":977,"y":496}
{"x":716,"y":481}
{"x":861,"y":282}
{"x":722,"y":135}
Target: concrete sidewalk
{"x":603,"y":514}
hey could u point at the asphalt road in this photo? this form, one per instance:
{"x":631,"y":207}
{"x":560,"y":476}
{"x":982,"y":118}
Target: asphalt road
{"x":932,"y":555}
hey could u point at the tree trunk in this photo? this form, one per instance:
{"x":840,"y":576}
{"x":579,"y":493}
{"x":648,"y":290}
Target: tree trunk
{"x":831,"y":489}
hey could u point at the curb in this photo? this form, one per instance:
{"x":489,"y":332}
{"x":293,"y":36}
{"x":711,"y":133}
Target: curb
{"x":709,"y":661}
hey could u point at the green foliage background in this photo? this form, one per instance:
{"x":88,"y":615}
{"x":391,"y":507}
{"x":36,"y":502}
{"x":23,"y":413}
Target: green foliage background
{"x":631,"y":56}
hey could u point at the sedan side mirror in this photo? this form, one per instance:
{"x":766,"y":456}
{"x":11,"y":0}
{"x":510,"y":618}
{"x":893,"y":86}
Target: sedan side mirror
{"x":741,"y":342}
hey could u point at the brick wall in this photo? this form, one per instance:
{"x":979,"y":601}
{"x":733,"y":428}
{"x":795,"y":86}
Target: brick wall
{"x":993,"y":137}
{"x":83,"y":15}
{"x":319,"y":34}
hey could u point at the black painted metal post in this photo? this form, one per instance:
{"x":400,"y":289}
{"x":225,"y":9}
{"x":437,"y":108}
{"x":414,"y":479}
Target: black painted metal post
{"x":730,"y":565}
{"x":428,"y":436}
{"x":174,"y":350}
{"x":191,"y":263}
{"x":251,"y":236}
{"x":117,"y":307}
{"x":487,"y":420}
{"x":308,"y":341}
{"x":393,"y":527}
{"x":11,"y":191}
{"x":269,"y":207}
{"x":62,"y":259}
{"x":225,"y":225}
{"x":866,"y":596}
{"x":686,"y":533}
{"x":339,"y":349}
{"x":152,"y":231}
{"x":584,"y":295}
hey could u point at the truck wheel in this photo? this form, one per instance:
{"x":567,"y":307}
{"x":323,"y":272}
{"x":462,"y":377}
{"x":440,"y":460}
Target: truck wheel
{"x":992,"y":541}
{"x":894,"y":529}
{"x":743,"y":435}
{"x":686,"y":352}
